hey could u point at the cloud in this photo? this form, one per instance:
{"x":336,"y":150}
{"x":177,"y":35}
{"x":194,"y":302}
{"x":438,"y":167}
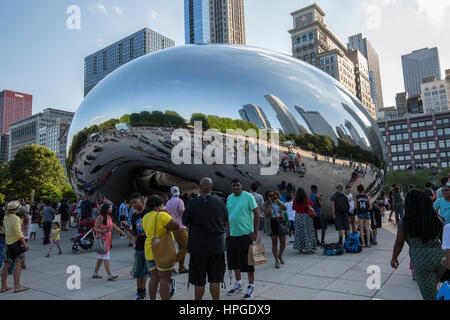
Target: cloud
{"x":102,"y":8}
{"x":100,"y":42}
{"x":118,"y":10}
{"x":433,"y":10}
{"x":153,"y":14}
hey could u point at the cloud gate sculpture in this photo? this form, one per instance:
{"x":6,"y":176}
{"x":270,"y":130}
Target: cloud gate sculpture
{"x":121,"y":138}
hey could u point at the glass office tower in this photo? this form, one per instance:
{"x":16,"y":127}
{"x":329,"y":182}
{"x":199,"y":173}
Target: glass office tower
{"x":196,"y":21}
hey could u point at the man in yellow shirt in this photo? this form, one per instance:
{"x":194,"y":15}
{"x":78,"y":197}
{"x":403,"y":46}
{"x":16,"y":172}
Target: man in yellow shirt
{"x":164,"y":223}
{"x":14,"y":239}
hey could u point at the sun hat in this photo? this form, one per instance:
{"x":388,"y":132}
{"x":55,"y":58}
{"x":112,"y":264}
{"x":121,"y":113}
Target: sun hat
{"x":13,"y":206}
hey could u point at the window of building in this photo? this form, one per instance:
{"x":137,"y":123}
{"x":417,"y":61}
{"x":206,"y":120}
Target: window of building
{"x":406,"y":147}
{"x":322,"y":62}
{"x":417,"y":157}
{"x":313,"y":56}
{"x":400,"y":148}
{"x":431,"y":145}
{"x":305,"y":38}
{"x":430,"y":133}
{"x":425,"y":156}
{"x":421,"y":124}
{"x":394,"y":159}
{"x":415,"y":135}
{"x":327,"y":68}
{"x":391,"y":128}
{"x":441,"y":143}
{"x":332,"y":59}
{"x":416,"y":146}
{"x":443,"y":155}
{"x":414,"y":125}
{"x":394,"y":149}
{"x":423,"y":145}
{"x":306,"y":58}
{"x":299,"y":40}
{"x":423,"y":134}
{"x":407,"y":158}
{"x":311,"y":36}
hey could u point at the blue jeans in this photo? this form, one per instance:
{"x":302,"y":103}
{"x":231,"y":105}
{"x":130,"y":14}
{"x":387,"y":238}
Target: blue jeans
{"x":2,"y":252}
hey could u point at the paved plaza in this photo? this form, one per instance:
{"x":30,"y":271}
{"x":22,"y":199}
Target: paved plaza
{"x":303,"y":277}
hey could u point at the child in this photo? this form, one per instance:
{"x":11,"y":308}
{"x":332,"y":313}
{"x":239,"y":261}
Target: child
{"x":363,"y":208}
{"x":291,"y":215}
{"x":34,"y":226}
{"x":55,"y":238}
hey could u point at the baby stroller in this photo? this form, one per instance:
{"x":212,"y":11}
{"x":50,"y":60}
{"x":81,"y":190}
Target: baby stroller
{"x":85,"y":237}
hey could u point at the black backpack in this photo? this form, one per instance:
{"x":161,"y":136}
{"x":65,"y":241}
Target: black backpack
{"x":341,"y":204}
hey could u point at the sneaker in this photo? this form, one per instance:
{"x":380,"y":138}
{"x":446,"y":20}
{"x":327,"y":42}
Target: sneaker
{"x":237,"y":289}
{"x":138,"y":297}
{"x":250,"y":293}
{"x":173,"y":287}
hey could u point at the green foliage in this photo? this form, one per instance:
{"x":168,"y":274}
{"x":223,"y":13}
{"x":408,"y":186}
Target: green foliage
{"x":49,"y":191}
{"x":125,"y":119}
{"x":2,"y":198}
{"x":405,"y":178}
{"x":108,"y":125}
{"x":68,"y":193}
{"x":199,"y":117}
{"x":157,"y":118}
{"x":32,"y":167}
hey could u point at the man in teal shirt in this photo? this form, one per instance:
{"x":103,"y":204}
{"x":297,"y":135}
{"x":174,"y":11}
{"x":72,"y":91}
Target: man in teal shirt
{"x":242,"y":231}
{"x":443,"y":205}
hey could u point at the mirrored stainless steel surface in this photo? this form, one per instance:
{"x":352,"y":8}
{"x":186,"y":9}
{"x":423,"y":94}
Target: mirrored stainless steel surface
{"x":270,"y":89}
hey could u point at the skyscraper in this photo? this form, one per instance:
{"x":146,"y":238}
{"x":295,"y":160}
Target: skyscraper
{"x":314,"y":43}
{"x":227,"y":21}
{"x":255,"y":114}
{"x":317,"y":123}
{"x":362,"y":44}
{"x":196,"y":21}
{"x":48,"y":128}
{"x":101,"y":63}
{"x":418,"y":65}
{"x":286,"y":118}
{"x":362,"y":80}
{"x":14,"y":106}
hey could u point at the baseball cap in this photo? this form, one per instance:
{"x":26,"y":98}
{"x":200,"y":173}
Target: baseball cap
{"x":175,"y":191}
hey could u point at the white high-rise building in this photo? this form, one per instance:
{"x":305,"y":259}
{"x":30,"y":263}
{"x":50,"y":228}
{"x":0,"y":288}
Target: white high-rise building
{"x":48,"y":128}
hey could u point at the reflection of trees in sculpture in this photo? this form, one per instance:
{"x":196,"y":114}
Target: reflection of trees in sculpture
{"x":154,"y":118}
{"x":324,"y":145}
{"x":222,"y":124}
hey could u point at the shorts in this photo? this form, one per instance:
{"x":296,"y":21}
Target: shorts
{"x":341,"y":221}
{"x":364,"y":216}
{"x":104,"y":256}
{"x":237,"y":253}
{"x":151,"y":266}
{"x":8,"y":259}
{"x":200,"y":266}
{"x":375,"y":219}
{"x":352,"y":214}
{"x":274,"y":227}
{"x":261,"y":224}
{"x":140,"y":269}
{"x":319,"y":223}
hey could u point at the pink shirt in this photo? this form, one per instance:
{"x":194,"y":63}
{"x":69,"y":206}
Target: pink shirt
{"x":175,"y":206}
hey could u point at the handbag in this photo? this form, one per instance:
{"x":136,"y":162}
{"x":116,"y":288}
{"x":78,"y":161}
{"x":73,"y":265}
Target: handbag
{"x":283,"y":228}
{"x":256,"y":255}
{"x":99,"y":245}
{"x":163,"y":249}
{"x":310,"y":210}
{"x":15,"y":250}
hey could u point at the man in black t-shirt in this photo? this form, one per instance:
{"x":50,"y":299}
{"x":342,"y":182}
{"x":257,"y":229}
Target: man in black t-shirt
{"x":429,"y":191}
{"x":206,"y":217}
{"x":86,"y":209}
{"x":140,"y":270}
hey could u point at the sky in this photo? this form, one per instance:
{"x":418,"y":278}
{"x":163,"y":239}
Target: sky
{"x":41,"y":56}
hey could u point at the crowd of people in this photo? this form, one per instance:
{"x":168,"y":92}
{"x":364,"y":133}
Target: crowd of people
{"x":217,"y":234}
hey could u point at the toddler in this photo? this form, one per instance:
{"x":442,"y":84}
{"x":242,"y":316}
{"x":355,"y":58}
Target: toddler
{"x":55,"y":238}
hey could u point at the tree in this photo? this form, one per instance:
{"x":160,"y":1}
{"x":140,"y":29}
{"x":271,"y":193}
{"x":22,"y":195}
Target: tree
{"x":48,"y":191}
{"x":125,"y":119}
{"x":2,"y":199}
{"x":32,"y":167}
{"x":68,"y":193}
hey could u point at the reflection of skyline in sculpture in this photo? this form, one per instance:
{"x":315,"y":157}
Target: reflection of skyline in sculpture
{"x":342,"y":133}
{"x":287,"y":120}
{"x":241,"y":77}
{"x":255,"y":114}
{"x":316,"y":123}
{"x":354,"y":134}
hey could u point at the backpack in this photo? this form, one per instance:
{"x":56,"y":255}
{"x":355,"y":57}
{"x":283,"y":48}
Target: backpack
{"x":352,"y":243}
{"x":444,"y":292}
{"x":333,"y":249}
{"x":341,"y":203}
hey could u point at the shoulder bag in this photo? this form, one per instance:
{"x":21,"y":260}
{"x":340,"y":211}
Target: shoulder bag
{"x":99,"y":245}
{"x":163,"y":249}
{"x":310,"y":210}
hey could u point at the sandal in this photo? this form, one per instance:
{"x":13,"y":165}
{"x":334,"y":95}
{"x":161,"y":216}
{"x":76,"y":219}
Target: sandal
{"x":281,"y":260}
{"x":277,"y":265}
{"x":97,"y":276}
{"x":112,"y":277}
{"x":21,"y":289}
{"x":6,"y":289}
